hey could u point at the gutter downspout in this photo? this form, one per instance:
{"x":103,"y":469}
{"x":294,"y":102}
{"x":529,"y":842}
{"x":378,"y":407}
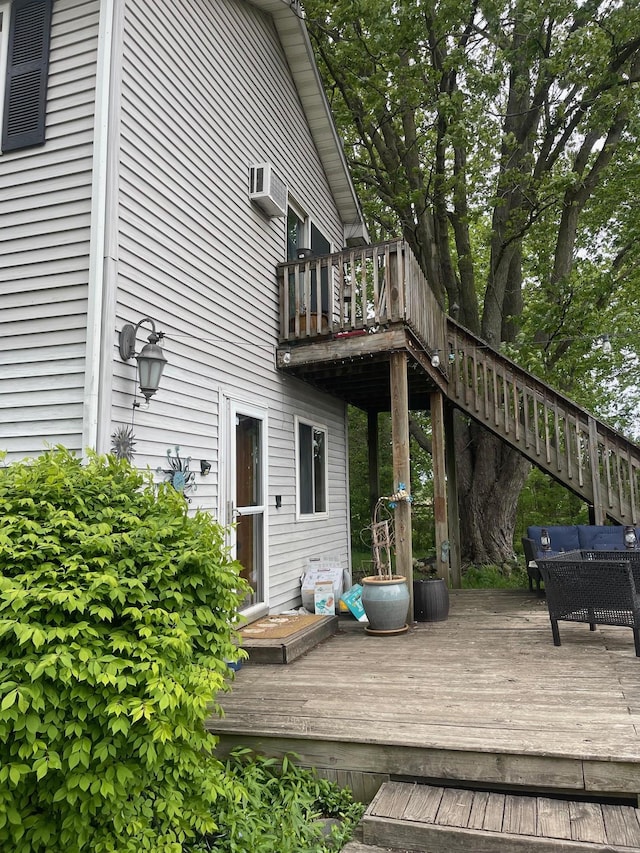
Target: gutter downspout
{"x":99,"y":193}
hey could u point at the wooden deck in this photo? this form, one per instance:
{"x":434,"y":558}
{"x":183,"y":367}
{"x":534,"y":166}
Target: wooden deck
{"x":482,"y":700}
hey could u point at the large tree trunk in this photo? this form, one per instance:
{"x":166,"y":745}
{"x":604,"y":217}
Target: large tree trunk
{"x":490,"y":477}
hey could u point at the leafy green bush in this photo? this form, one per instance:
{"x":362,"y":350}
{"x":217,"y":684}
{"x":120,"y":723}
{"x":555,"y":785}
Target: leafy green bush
{"x":494,"y":577}
{"x":115,"y":622}
{"x":278,"y":810}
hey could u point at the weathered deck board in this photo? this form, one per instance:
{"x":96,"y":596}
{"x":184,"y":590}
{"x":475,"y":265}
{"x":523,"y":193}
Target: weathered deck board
{"x":553,"y":819}
{"x":484,"y":697}
{"x":622,"y":826}
{"x":511,"y":822}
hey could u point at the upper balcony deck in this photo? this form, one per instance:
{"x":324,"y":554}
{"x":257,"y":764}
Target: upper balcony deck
{"x":343,"y":314}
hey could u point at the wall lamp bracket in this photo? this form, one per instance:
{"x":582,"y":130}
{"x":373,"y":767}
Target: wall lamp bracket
{"x":151,"y":359}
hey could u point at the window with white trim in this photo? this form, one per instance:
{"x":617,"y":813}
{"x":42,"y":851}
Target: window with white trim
{"x":312,"y":468}
{"x":25,"y":33}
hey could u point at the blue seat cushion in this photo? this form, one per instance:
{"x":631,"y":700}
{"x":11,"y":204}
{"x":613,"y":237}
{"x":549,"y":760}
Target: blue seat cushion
{"x":564,"y":537}
{"x":609,"y":537}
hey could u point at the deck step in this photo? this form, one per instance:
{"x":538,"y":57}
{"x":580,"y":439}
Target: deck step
{"x":292,"y":644}
{"x":359,"y":847}
{"x":451,"y":820}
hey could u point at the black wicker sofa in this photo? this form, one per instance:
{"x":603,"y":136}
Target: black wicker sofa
{"x":574,"y":537}
{"x":595,"y":587}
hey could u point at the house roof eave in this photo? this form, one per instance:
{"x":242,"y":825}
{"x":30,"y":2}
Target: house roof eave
{"x":288,"y":17}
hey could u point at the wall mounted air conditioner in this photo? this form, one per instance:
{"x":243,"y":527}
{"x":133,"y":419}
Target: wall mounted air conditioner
{"x":267,"y":189}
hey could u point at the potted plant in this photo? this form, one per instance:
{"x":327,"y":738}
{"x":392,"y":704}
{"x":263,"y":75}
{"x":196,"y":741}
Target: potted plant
{"x":385,"y":595}
{"x":430,"y":592}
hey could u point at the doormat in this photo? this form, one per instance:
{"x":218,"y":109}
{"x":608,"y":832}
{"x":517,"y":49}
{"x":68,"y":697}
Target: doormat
{"x":279,"y":626}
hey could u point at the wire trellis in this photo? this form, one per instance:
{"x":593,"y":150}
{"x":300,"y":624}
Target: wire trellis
{"x":381,"y":531}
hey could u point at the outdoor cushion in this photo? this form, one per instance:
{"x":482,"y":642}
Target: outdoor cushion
{"x":601,"y":537}
{"x":563,"y":537}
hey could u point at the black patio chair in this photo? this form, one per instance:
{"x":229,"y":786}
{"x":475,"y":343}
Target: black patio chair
{"x":582,"y":588}
{"x":632,"y":556}
{"x":531,"y":556}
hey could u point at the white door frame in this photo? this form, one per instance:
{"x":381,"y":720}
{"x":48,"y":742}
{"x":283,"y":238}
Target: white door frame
{"x":233,"y":406}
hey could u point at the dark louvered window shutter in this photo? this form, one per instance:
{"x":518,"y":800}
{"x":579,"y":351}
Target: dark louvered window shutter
{"x":27,"y":71}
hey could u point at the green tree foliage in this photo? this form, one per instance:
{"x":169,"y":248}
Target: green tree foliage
{"x":116,"y":609}
{"x":544,"y":502}
{"x":500,"y":138}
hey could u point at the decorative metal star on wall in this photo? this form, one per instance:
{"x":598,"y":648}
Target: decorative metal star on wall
{"x":178,"y":473}
{"x":123,"y":443}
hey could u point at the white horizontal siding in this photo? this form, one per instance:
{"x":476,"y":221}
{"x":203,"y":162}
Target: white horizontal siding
{"x":206,"y":92}
{"x":45,"y":207}
{"x":293,"y":541}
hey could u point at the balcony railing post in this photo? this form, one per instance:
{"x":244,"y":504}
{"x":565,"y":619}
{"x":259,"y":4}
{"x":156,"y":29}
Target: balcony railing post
{"x":394,"y":265}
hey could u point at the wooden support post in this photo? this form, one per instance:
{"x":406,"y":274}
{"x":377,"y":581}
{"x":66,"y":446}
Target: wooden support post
{"x":401,"y":467}
{"x":594,"y":463}
{"x":374,"y":472}
{"x":455,"y":552}
{"x":439,"y":486}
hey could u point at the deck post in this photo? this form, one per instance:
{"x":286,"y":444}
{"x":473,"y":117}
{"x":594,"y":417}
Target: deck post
{"x":598,"y":514}
{"x":401,"y":467}
{"x":455,"y":561}
{"x":374,"y":472}
{"x":440,"y":514}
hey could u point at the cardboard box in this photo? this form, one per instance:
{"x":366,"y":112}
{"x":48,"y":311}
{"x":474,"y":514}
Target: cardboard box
{"x":352,"y":598}
{"x":324,"y":599}
{"x":320,"y":571}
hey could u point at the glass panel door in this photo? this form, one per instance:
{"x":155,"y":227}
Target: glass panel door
{"x":247,"y":488}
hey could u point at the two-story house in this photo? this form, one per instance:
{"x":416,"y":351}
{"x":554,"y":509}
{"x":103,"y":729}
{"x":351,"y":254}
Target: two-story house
{"x":127,"y":194}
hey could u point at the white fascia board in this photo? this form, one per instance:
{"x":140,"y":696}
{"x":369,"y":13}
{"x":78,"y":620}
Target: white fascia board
{"x":288,"y":17}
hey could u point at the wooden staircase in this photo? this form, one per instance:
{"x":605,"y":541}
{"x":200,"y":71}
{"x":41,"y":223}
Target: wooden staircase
{"x":567,"y":442}
{"x":433,"y":819}
{"x":357,"y":306}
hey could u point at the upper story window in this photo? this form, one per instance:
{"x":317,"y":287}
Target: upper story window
{"x":297,"y":230}
{"x":301,"y":234}
{"x":312,"y":469}
{"x":25,"y":32}
{"x":305,"y":235}
{"x":319,"y":243}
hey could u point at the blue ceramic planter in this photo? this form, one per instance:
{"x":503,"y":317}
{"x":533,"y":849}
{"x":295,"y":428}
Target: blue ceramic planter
{"x":386,"y":604}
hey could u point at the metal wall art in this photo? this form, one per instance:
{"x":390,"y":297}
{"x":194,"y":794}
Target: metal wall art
{"x":123,"y":442}
{"x":178,"y":473}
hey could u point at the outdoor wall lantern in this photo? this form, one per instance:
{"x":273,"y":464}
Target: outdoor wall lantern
{"x":205,"y":467}
{"x":435,"y":358}
{"x":630,"y":538}
{"x":151,"y":359}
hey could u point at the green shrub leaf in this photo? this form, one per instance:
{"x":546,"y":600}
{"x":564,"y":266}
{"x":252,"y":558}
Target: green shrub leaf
{"x":116,"y":615}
